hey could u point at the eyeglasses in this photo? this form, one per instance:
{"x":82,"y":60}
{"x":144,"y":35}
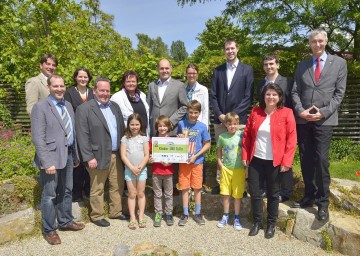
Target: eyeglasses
{"x":189,"y":74}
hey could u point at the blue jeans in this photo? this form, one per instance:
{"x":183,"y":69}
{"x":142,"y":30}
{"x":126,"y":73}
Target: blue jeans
{"x":56,"y":195}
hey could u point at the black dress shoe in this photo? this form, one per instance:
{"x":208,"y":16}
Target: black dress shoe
{"x":122,"y":216}
{"x":270,"y":231}
{"x":283,"y":199}
{"x":303,"y":203}
{"x":323,"y":214}
{"x":255,"y":228}
{"x":101,"y":223}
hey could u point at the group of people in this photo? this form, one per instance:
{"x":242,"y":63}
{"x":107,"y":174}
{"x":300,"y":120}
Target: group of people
{"x":106,"y":137}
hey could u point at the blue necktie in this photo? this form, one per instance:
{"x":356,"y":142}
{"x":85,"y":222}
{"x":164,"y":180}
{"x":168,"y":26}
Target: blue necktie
{"x":66,"y":120}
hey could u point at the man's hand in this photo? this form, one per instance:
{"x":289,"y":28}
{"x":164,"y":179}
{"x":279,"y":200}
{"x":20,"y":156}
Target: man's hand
{"x":222,"y":118}
{"x":92,"y":163}
{"x":50,"y":170}
{"x":311,"y":114}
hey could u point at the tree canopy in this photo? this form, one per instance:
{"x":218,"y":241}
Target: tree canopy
{"x":156,"y":46}
{"x":178,"y":51}
{"x":287,"y":22}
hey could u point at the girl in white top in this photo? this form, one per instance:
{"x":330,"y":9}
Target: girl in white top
{"x":135,"y":155}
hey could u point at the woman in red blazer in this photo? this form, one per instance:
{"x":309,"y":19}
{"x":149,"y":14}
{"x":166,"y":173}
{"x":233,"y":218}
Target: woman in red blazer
{"x":268,"y":150}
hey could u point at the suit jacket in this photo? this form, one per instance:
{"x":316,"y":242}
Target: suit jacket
{"x":49,"y":135}
{"x":93,"y":133}
{"x":326,"y":95}
{"x":36,"y":89}
{"x":282,"y":132}
{"x":73,"y":96}
{"x":172,"y":105}
{"x":238,"y":97}
{"x":285,"y":84}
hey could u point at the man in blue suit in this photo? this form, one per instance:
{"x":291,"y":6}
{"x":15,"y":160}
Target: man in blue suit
{"x":319,"y":88}
{"x":53,"y":134}
{"x":232,"y":88}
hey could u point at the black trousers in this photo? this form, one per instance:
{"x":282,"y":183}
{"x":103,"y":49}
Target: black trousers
{"x":81,"y":182}
{"x":314,"y":144}
{"x":286,"y":184}
{"x":261,"y":171}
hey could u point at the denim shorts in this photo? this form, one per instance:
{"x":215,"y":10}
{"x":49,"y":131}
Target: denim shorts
{"x":129,"y":175}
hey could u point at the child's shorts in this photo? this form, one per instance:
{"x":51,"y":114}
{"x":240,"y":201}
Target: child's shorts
{"x":232,"y":182}
{"x":129,"y":175}
{"x":190,"y":175}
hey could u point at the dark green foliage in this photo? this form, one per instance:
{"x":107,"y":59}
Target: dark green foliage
{"x":17,"y":155}
{"x":5,"y":117}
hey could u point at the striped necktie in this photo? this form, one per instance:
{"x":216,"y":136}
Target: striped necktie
{"x":66,"y":120}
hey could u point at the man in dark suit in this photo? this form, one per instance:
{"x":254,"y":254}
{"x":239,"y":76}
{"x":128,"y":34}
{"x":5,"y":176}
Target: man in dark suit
{"x":53,"y":134}
{"x":100,"y":127}
{"x":232,"y":88}
{"x":271,"y":66}
{"x":166,"y":96}
{"x":318,"y":90}
{"x":36,"y":87}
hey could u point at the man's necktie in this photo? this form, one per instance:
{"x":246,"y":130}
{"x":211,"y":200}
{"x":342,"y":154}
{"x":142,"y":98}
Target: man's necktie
{"x":317,"y":70}
{"x":66,"y":120}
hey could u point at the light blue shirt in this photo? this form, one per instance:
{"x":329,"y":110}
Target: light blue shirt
{"x":111,"y":122}
{"x":323,"y":58}
{"x":58,"y":108}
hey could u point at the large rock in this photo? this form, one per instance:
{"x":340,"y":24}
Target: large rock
{"x":344,"y":232}
{"x":307,"y":228}
{"x":16,"y":224}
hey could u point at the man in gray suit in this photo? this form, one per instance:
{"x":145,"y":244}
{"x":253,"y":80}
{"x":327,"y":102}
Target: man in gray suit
{"x":319,"y":88}
{"x":36,"y":87}
{"x":271,"y":67}
{"x":100,"y":127}
{"x":53,"y":134}
{"x":166,"y":96}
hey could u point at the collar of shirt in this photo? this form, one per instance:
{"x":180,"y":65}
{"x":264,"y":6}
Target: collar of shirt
{"x":267,"y":81}
{"x":232,"y":66}
{"x":159,"y":83}
{"x":102,"y":105}
{"x":55,"y":101}
{"x":323,"y":58}
{"x":192,"y":89}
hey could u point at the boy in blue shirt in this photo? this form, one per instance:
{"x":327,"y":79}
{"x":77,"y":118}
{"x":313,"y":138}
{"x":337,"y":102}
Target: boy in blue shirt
{"x":190,"y":174}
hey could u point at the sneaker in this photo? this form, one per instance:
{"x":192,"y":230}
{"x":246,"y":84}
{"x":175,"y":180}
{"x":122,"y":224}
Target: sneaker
{"x":157,"y":220}
{"x":237,"y":225}
{"x":223,"y":222}
{"x":169,"y":220}
{"x":183,"y":220}
{"x":199,"y":219}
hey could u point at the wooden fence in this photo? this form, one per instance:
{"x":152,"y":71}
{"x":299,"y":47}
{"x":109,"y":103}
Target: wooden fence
{"x":349,"y":112}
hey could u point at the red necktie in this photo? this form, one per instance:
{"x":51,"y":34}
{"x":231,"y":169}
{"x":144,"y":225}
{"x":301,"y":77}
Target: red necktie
{"x":317,"y":70}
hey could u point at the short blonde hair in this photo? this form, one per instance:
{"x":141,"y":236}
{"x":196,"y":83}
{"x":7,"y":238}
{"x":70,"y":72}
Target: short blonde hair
{"x":232,"y":117}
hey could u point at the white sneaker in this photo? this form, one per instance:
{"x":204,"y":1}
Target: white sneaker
{"x":237,"y":225}
{"x":223,"y":222}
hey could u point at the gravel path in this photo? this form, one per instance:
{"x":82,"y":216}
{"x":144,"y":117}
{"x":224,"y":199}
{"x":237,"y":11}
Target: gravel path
{"x":204,"y":240}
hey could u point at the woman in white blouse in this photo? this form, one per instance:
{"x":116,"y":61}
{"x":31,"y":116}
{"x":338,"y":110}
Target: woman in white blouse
{"x":196,"y":91}
{"x":131,"y":100}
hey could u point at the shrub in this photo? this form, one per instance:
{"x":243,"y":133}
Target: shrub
{"x":19,"y":193}
{"x":340,"y":149}
{"x":17,"y":155}
{"x":5,"y":116}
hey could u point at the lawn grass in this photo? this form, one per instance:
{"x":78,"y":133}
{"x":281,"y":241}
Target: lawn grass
{"x":344,"y":169}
